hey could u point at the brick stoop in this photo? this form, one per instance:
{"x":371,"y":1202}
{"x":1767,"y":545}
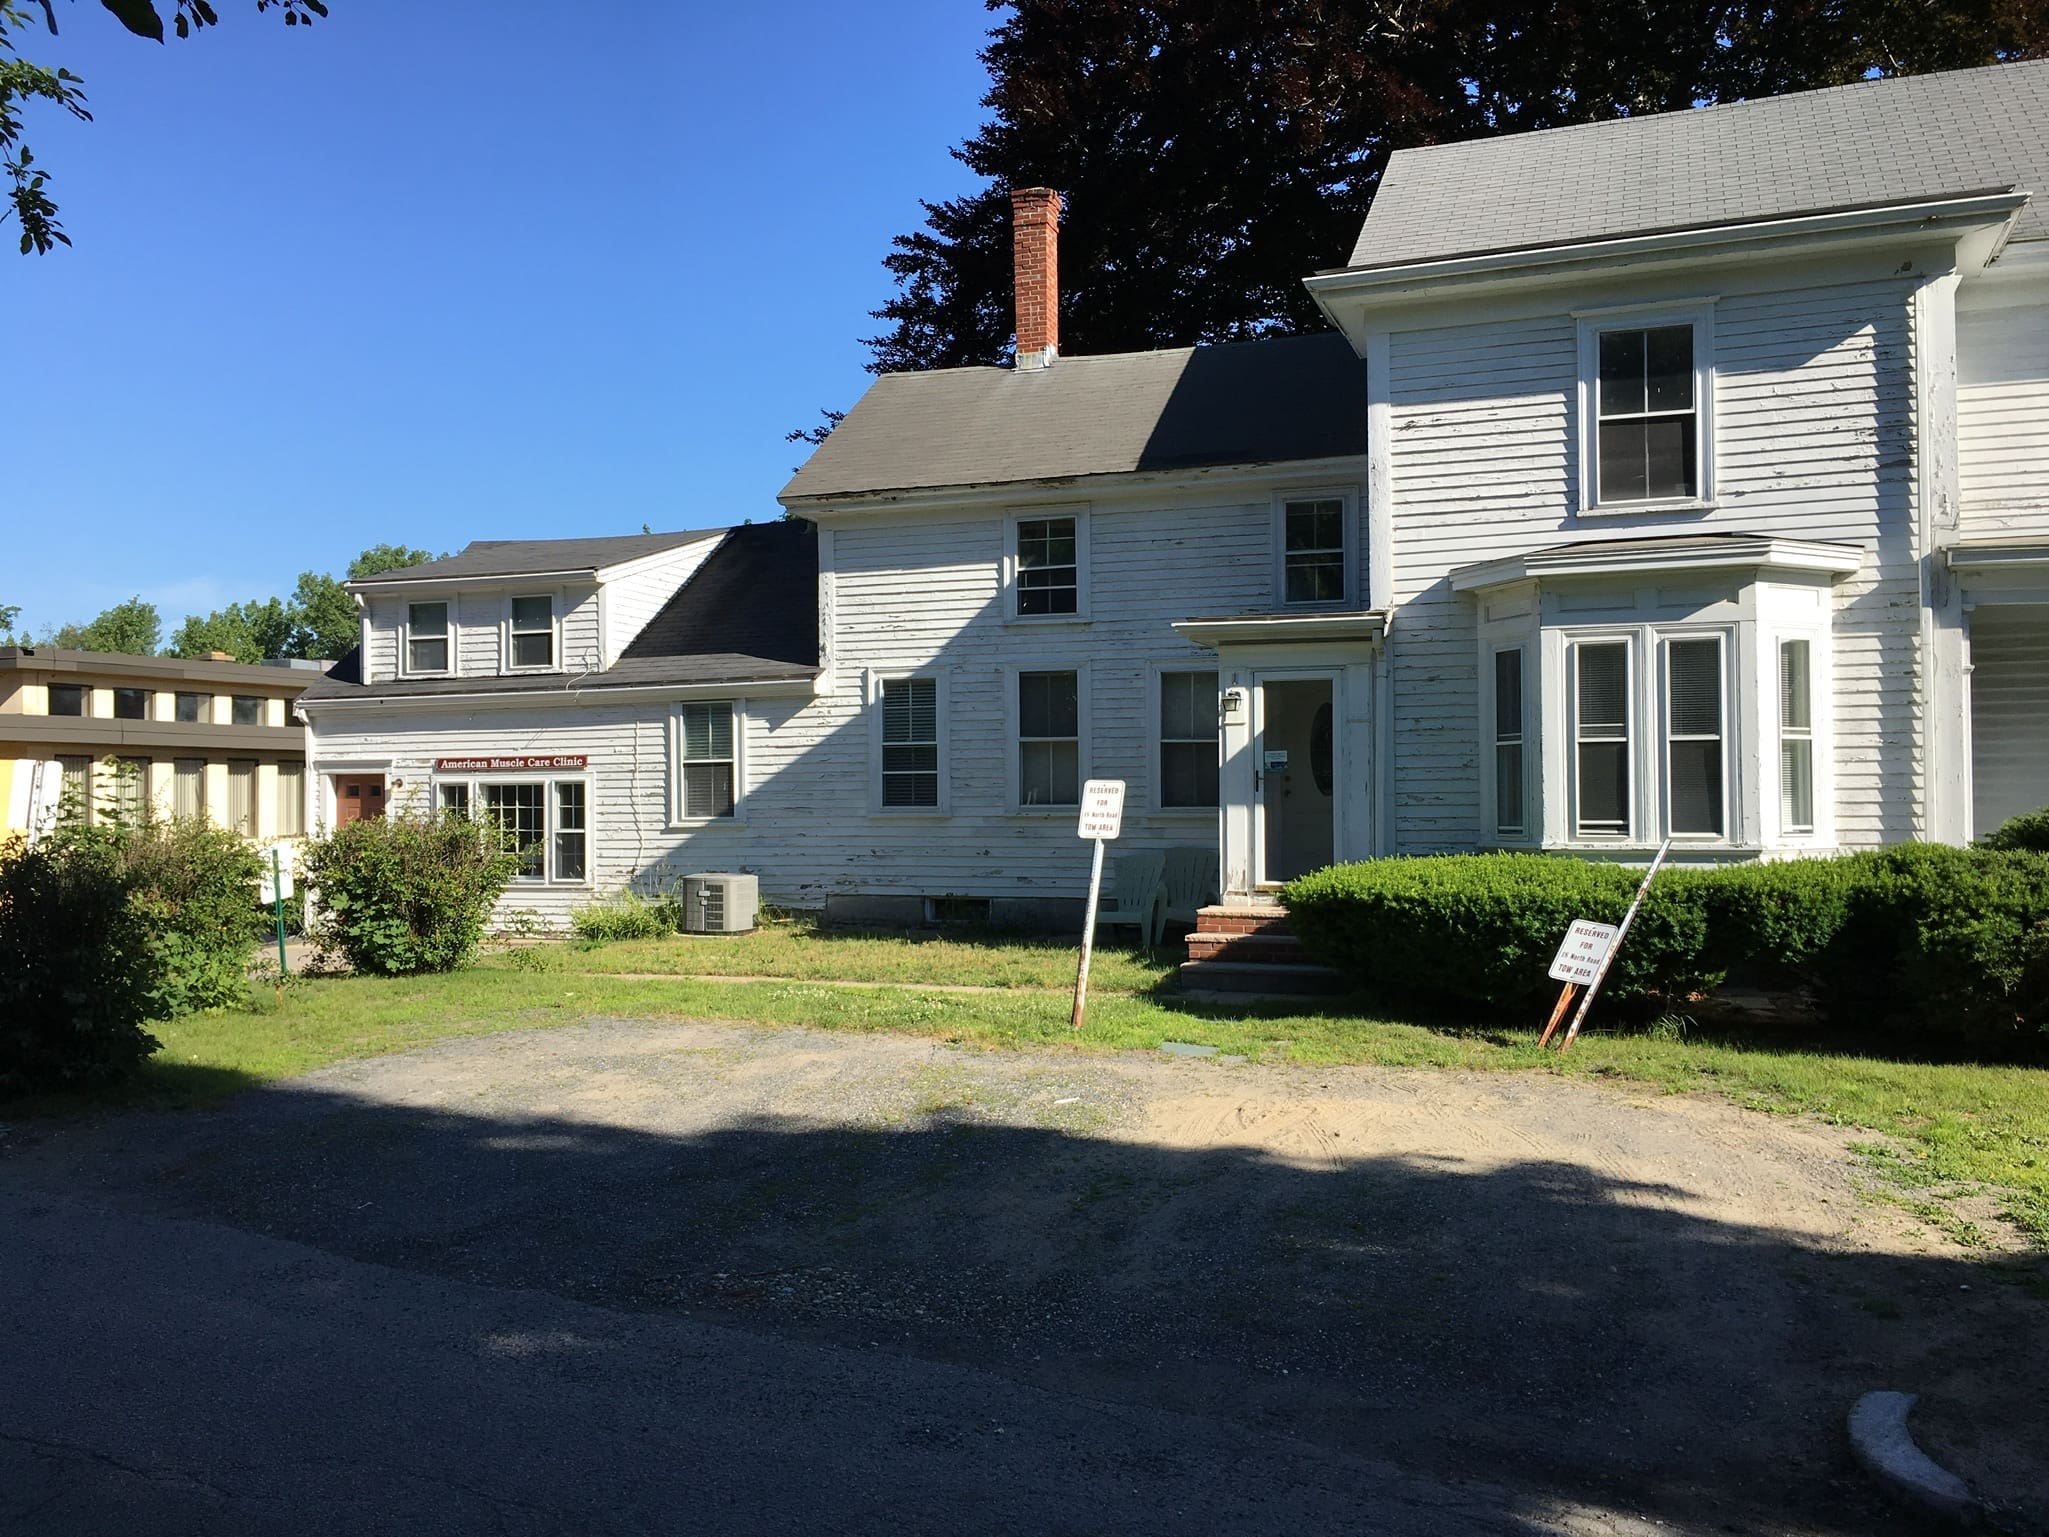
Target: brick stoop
{"x":1251,"y":950}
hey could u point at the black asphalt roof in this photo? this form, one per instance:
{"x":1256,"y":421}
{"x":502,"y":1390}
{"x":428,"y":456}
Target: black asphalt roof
{"x":533,"y":557}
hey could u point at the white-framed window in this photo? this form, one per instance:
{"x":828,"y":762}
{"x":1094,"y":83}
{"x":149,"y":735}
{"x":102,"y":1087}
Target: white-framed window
{"x":427,"y":639}
{"x":1048,"y":737}
{"x":1046,"y":563}
{"x":1696,"y":737}
{"x":530,"y":633}
{"x":910,"y":743}
{"x":545,"y":822}
{"x":1602,"y":743}
{"x":1511,"y":797}
{"x":1796,"y":735}
{"x":1647,"y":409}
{"x":1188,"y":761}
{"x":707,"y":760}
{"x":1313,"y":533}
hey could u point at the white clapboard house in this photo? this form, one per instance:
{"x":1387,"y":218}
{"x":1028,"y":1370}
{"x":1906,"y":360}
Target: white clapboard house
{"x":1679,"y":476}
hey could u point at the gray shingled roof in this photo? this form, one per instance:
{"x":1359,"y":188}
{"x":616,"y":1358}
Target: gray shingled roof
{"x":1299,"y":397}
{"x":527,"y":557}
{"x":1876,"y":142}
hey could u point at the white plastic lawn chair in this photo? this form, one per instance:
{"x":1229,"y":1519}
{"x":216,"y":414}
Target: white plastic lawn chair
{"x":1188,"y":885}
{"x":1135,"y":891}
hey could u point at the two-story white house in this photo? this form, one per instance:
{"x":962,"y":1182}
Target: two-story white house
{"x":1678,"y":476}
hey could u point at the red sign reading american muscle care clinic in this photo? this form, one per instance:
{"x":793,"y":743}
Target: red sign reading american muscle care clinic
{"x":519,"y":764}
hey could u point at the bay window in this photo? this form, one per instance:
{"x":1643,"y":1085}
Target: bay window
{"x":1510,"y":816}
{"x":1796,"y":736}
{"x":1695,"y":769}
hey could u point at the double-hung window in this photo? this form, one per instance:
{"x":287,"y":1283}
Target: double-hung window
{"x":572,"y":830}
{"x":1696,"y":735}
{"x":1313,"y":555}
{"x":1601,"y":739}
{"x":1048,"y":739}
{"x":533,"y":632}
{"x":704,"y":741}
{"x":910,"y":743}
{"x":1048,"y":566}
{"x":1796,"y":736}
{"x":1188,"y":739}
{"x":426,"y":637}
{"x":1509,"y":799}
{"x":1647,"y":436}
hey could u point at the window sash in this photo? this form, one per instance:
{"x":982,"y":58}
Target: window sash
{"x":1313,"y":550}
{"x":1646,"y":414}
{"x":705,"y":735}
{"x":1189,"y":770}
{"x":426,"y":637}
{"x":247,"y":710}
{"x":67,"y":699}
{"x":242,"y":796}
{"x":1696,"y":736}
{"x":1048,"y":557}
{"x":572,"y":830}
{"x":291,"y":799}
{"x":131,"y":791}
{"x":1049,"y":738}
{"x":1510,"y":818}
{"x":187,"y":707}
{"x":533,"y":631}
{"x":1602,"y":743}
{"x":1796,"y":736}
{"x":452,"y":799}
{"x":131,"y":704}
{"x":78,"y":787}
{"x":910,"y":742}
{"x":188,"y":787}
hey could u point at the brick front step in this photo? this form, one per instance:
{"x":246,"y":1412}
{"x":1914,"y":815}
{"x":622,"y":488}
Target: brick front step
{"x":1242,"y":920}
{"x":1268,"y":947}
{"x":1259,"y":979}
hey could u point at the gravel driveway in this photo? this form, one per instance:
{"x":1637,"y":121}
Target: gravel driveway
{"x":1620,"y":1306}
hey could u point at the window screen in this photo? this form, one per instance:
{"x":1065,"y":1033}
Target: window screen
{"x":707,"y":738}
{"x":248,"y":710}
{"x":190,"y":708}
{"x":1049,"y":739}
{"x":67,"y":699}
{"x":910,"y":742}
{"x":1646,"y":428}
{"x":1188,"y":739}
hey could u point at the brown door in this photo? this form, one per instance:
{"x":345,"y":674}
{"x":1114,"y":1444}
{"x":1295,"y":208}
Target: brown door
{"x":356,"y":796}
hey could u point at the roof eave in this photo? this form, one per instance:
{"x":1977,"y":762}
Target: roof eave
{"x":719,"y":688}
{"x":827,"y":504}
{"x":1795,"y":557}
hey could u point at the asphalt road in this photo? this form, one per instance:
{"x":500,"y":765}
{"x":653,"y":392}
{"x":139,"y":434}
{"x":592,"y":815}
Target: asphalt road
{"x":169,"y":1376}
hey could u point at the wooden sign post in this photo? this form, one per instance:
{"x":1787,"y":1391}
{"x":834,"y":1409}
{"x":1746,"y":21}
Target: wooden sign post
{"x":1102,"y":819}
{"x":1585,"y":956}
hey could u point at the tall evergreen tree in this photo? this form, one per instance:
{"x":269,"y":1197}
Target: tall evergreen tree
{"x":1215,"y":152}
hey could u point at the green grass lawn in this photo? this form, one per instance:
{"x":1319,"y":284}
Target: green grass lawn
{"x":1960,"y":1128}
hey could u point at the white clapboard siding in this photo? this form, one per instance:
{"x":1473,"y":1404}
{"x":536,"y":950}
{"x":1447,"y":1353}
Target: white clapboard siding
{"x":477,"y":618}
{"x":1813,"y":440}
{"x":635,"y":592}
{"x":2009,"y":712}
{"x":2003,"y":416}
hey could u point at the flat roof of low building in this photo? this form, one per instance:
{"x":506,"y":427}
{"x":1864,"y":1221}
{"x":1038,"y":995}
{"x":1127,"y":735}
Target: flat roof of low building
{"x":159,"y":672}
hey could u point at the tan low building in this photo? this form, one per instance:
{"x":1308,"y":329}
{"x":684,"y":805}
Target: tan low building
{"x":190,"y":737}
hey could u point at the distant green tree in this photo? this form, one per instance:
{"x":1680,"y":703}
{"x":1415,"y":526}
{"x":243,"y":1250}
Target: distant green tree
{"x":380,"y":558}
{"x":9,"y":613}
{"x":324,"y":616}
{"x":132,"y":628}
{"x":22,"y":82}
{"x":248,"y":632}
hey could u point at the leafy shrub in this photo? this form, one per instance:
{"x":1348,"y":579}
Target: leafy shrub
{"x":399,"y":894}
{"x":1479,"y":930}
{"x":194,"y":885}
{"x":2029,"y":830}
{"x":627,"y":916}
{"x":78,"y":971}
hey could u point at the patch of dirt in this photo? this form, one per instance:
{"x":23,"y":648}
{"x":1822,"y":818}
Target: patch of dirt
{"x":1622,"y":1302}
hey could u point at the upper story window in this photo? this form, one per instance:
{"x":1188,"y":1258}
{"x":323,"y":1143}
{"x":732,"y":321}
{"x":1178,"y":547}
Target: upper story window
{"x":426,"y":640}
{"x":1046,"y":565}
{"x":910,"y":743}
{"x":189,"y":707}
{"x":248,"y":710}
{"x":1313,"y":547}
{"x":131,"y":704}
{"x":1645,"y":394}
{"x":67,"y":699}
{"x":533,"y":631}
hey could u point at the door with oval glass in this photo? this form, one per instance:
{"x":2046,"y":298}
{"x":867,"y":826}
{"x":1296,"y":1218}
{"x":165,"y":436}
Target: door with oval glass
{"x":1295,"y":774}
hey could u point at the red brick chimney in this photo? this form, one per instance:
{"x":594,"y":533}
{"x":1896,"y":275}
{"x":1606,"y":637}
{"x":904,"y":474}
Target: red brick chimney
{"x":1035,"y":246}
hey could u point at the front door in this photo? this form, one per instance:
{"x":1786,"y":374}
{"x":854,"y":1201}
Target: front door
{"x":1295,"y":772}
{"x":357,"y":796}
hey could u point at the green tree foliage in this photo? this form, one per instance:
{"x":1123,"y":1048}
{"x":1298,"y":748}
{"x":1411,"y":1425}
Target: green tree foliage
{"x":1215,"y":152}
{"x":248,"y":632}
{"x":324,"y":617}
{"x":132,"y":628}
{"x":22,"y":82}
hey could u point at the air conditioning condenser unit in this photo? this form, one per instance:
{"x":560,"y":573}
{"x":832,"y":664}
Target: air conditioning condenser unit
{"x":720,"y":904}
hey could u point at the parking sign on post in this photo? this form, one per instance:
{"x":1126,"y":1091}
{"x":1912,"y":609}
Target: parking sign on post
{"x":1102,"y":819}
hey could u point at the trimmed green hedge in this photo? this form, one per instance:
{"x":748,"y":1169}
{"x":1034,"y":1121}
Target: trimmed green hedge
{"x":1911,"y":938}
{"x":398,"y":894}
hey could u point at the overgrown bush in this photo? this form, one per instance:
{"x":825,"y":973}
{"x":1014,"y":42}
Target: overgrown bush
{"x":194,"y":885}
{"x":2029,"y":830}
{"x":1953,"y":942}
{"x":400,"y":894}
{"x":78,"y":970}
{"x":627,"y":916}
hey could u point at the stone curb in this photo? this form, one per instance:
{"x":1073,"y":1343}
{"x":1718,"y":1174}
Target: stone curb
{"x":1880,"y":1439}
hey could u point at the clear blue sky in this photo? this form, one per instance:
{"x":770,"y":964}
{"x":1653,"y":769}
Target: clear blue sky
{"x":437,"y":270}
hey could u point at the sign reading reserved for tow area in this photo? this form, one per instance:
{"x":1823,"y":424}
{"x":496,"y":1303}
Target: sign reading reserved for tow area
{"x":1102,"y":808}
{"x":1586,"y":945}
